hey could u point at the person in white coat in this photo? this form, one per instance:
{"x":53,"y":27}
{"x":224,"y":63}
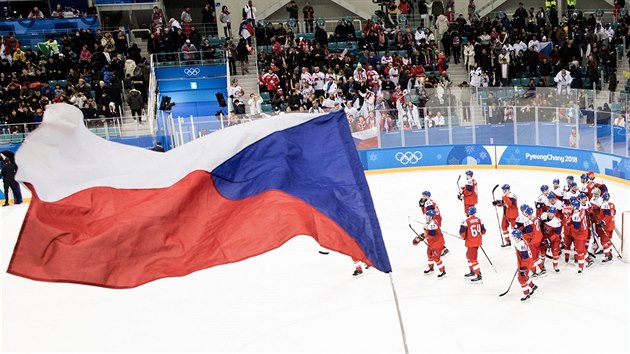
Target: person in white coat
{"x":563,"y":80}
{"x":255,"y":104}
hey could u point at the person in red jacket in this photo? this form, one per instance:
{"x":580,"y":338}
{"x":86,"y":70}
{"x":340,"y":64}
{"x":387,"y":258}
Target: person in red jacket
{"x":606,"y":225}
{"x":524,"y":263}
{"x":469,"y":192}
{"x":510,"y":212}
{"x":472,"y":230}
{"x":435,"y":243}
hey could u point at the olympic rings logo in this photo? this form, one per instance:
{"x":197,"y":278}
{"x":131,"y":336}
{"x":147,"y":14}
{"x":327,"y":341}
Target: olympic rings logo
{"x":409,"y":157}
{"x":192,"y":71}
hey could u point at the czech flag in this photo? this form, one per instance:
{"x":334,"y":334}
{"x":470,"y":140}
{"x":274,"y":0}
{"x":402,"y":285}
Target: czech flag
{"x":118,"y":216}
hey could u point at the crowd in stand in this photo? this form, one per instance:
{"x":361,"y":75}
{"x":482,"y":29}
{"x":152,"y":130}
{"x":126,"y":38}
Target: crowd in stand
{"x":401,"y":75}
{"x":93,"y":71}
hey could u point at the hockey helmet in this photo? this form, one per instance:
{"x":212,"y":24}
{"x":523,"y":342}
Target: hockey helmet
{"x":582,"y":196}
{"x":551,"y":195}
{"x":570,"y":178}
{"x":472,"y":210}
{"x":505,"y":187}
{"x":552,"y":210}
{"x":524,"y":207}
{"x":591,"y":173}
{"x":556,"y":181}
{"x":605,"y":196}
{"x":572,"y":184}
{"x":583,"y":176}
{"x":469,"y":173}
{"x":517,"y":233}
{"x":544,"y":187}
{"x":430,"y":213}
{"x":426,"y":194}
{"x":529,"y":211}
{"x":575,"y":204}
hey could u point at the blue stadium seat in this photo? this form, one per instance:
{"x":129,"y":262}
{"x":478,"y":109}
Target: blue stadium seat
{"x":265,"y":96}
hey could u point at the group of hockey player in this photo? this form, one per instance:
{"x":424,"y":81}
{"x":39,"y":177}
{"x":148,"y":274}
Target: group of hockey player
{"x":578,"y":220}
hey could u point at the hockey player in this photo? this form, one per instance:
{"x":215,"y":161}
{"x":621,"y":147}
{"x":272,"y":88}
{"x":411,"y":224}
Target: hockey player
{"x":521,"y":219}
{"x":524,"y":263}
{"x":358,"y":267}
{"x":426,"y":204}
{"x":587,"y":185}
{"x":567,"y":238}
{"x":607,"y":225}
{"x":469,"y":192}
{"x":585,"y":205}
{"x":557,"y":189}
{"x":472,"y":230}
{"x":510,"y":212}
{"x":552,"y":230}
{"x":435,"y":243}
{"x":553,"y":201}
{"x":596,"y":202}
{"x":542,"y":199}
{"x":599,"y":183}
{"x":579,"y":231}
{"x":533,"y":235}
{"x":572,"y":192}
{"x":570,"y":179}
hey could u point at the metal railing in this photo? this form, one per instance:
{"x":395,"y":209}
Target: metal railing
{"x":172,"y":59}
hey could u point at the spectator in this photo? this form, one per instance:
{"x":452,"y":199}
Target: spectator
{"x":226,"y":22}
{"x":189,"y":51}
{"x":209,"y":22}
{"x":136,"y":104}
{"x":35,"y":14}
{"x":255,"y":104}
{"x":58,"y":13}
{"x":249,"y":13}
{"x":242,"y":55}
{"x":292,"y":9}
{"x":309,"y":16}
{"x":208,"y":51}
{"x":187,"y":20}
{"x":157,"y":16}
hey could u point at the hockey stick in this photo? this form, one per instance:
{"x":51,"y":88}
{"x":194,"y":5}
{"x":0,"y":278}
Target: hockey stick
{"x":459,"y":190}
{"x":488,"y":258}
{"x":496,"y":212}
{"x":615,"y":247}
{"x":509,"y":287}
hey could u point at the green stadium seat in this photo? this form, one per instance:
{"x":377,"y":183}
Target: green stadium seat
{"x":265,"y":96}
{"x":586,"y":83}
{"x":62,"y":83}
{"x":516,"y":82}
{"x":524,"y":81}
{"x":267,"y":108}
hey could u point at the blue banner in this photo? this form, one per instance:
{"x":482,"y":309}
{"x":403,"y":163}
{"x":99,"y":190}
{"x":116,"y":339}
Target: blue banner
{"x":531,"y":155}
{"x":377,"y":159}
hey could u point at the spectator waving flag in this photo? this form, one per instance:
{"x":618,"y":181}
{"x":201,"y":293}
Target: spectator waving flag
{"x":117,"y":216}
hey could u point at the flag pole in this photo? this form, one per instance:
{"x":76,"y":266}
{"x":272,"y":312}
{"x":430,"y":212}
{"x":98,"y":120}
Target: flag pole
{"x":400,"y":321}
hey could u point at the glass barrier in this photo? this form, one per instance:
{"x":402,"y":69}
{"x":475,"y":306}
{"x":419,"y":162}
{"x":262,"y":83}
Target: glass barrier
{"x":463,"y":115}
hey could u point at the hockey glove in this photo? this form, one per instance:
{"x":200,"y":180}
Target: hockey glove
{"x":418,"y":239}
{"x":545,"y":242}
{"x":602,"y":224}
{"x":459,"y":196}
{"x":496,"y":202}
{"x":522,"y":272}
{"x":421,"y":203}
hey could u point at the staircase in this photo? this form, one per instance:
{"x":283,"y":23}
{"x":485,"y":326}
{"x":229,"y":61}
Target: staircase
{"x":248,"y":82}
{"x":458,"y":74}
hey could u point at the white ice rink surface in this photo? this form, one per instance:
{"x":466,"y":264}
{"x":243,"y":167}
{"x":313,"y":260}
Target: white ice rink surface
{"x":294,"y":300}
